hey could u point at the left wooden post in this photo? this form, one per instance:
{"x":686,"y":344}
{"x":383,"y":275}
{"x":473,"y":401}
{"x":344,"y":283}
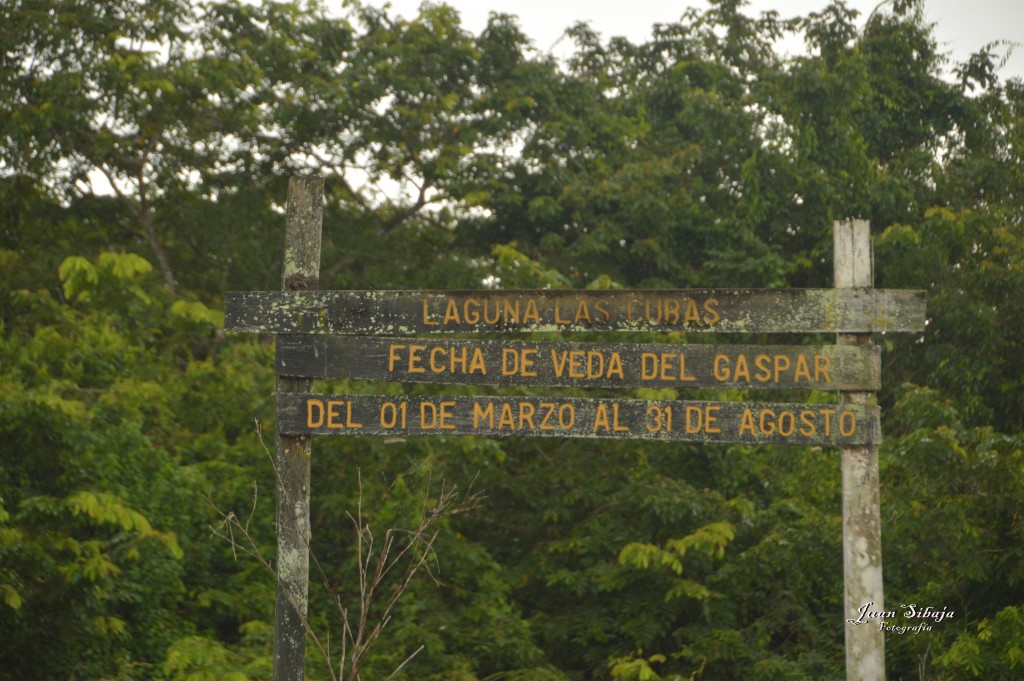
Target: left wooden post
{"x":304,"y":221}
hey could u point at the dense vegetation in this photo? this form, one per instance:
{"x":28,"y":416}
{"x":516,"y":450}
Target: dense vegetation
{"x":144,"y":153}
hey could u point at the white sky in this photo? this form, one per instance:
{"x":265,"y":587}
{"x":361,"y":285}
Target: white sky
{"x":962,"y":26}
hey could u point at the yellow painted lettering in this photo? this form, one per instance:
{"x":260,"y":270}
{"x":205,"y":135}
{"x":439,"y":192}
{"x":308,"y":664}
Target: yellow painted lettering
{"x":711,"y":316}
{"x":747,"y":422}
{"x":782,"y":364}
{"x":566,"y":416}
{"x":648,"y":366}
{"x":656,"y":316}
{"x":683,"y":376}
{"x":471,"y":311}
{"x":764,"y":372}
{"x":601,"y":418}
{"x":446,"y":415}
{"x":558,"y":315}
{"x":616,"y":426}
{"x":526,"y":412}
{"x":451,"y":313}
{"x":711,"y":418}
{"x":507,"y":419}
{"x":394,"y":356}
{"x":692,"y":312}
{"x":481,"y":412}
{"x":509,"y":362}
{"x":426,"y":314}
{"x":634,"y":317}
{"x":694,"y":419}
{"x":582,"y":313}
{"x":511,"y":311}
{"x":334,"y":418}
{"x":807,"y":425}
{"x":492,"y":311}
{"x":558,"y":361}
{"x":847,"y":423}
{"x":615,"y":366}
{"x":720,"y":368}
{"x":576,"y":358}
{"x":531,"y":315}
{"x":672,"y":312}
{"x":428,"y":416}
{"x":549,"y":411}
{"x":827,"y":413}
{"x":314,"y":407}
{"x":821,"y":366}
{"x":803,"y":369}
{"x":415,"y":358}
{"x":459,"y":359}
{"x":667,"y":365}
{"x":787,"y":423}
{"x":392,"y":415}
{"x":437,"y":360}
{"x":742,"y":372}
{"x":477,"y":364}
{"x":528,"y":360}
{"x":349,"y":421}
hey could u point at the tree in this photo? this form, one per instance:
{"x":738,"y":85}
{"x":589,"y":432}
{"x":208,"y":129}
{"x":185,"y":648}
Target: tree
{"x":99,"y":466}
{"x":154,"y":116}
{"x":698,"y":158}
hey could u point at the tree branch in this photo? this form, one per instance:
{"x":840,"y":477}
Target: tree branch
{"x":403,"y":559}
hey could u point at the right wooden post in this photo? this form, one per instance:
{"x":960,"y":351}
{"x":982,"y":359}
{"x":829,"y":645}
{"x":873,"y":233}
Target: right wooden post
{"x":862,"y":522}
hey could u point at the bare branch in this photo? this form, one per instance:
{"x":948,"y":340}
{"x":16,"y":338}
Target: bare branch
{"x":387,"y":566}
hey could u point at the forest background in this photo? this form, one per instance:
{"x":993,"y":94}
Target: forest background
{"x":145,"y":149}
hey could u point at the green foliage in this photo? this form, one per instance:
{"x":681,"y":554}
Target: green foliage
{"x":970,"y":261}
{"x":101,"y":519}
{"x":700,"y":157}
{"x":952,"y":538}
{"x":195,"y":658}
{"x":994,"y":652}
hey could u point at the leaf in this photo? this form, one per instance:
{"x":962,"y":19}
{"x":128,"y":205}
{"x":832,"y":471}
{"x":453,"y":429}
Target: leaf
{"x":645,"y":556}
{"x":107,"y":508}
{"x":712,"y":539}
{"x":109,"y":625}
{"x":11,"y":596}
{"x":77,"y":274}
{"x":124,"y":266}
{"x":687,"y":588}
{"x":197,"y":312}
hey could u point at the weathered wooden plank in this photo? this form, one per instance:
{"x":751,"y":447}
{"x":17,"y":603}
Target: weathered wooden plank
{"x":587,"y":365}
{"x":687,"y":310}
{"x":303,"y":229}
{"x":862,"y":513}
{"x":489,"y":416}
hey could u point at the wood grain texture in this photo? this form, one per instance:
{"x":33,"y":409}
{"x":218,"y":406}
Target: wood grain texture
{"x":600,"y":418}
{"x":862,"y":517}
{"x":585,"y":365}
{"x":399,"y":313}
{"x":303,"y":229}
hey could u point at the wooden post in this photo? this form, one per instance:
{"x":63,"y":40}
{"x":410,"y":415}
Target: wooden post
{"x":862,"y":524}
{"x":291,"y":460}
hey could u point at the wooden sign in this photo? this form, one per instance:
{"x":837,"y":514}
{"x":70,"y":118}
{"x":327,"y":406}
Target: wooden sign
{"x":590,"y":365}
{"x":490,"y":416}
{"x":682,"y":310}
{"x":853,"y":310}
